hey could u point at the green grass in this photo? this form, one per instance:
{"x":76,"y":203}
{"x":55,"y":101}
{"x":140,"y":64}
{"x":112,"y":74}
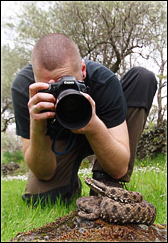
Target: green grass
{"x":149,"y":178}
{"x":18,"y":217}
{"x":152,"y":183}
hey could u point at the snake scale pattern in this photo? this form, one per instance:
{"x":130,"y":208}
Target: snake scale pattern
{"x":115,"y":205}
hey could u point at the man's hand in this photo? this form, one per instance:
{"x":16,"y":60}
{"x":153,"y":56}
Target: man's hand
{"x":91,"y":124}
{"x":39,"y":102}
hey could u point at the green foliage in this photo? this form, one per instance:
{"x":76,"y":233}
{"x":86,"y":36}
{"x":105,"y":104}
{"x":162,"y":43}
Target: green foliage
{"x":150,"y":179}
{"x":15,"y":156}
{"x":12,"y":61}
{"x":11,"y":142}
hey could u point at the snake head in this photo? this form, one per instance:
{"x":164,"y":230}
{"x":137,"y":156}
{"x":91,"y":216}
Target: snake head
{"x":117,"y":194}
{"x":96,"y":186}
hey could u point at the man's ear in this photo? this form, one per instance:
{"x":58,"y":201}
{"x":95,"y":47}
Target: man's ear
{"x":83,"y":69}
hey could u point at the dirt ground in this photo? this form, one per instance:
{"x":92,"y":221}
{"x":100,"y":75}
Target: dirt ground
{"x":75,"y":229}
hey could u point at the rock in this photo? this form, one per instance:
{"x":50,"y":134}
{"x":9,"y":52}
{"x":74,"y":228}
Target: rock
{"x":9,"y":168}
{"x":153,"y":142}
{"x":99,"y":230}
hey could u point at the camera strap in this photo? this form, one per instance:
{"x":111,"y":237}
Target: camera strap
{"x":71,"y":142}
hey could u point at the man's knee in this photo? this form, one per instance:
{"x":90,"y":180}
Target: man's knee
{"x":145,"y":76}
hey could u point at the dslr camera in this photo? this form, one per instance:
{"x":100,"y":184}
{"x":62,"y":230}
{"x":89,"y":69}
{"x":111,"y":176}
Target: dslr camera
{"x":73,"y":110}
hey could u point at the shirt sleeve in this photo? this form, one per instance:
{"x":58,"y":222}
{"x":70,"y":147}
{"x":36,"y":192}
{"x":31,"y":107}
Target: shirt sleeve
{"x":110,"y":103}
{"x":106,"y":91}
{"x":20,"y":98}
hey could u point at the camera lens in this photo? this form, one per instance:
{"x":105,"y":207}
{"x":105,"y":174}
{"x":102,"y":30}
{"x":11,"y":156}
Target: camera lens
{"x":73,"y":110}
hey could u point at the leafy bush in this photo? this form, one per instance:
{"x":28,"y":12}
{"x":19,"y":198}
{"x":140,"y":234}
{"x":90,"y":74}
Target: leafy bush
{"x":15,"y":156}
{"x":10,"y":141}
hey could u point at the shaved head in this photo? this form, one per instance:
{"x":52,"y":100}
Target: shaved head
{"x":54,"y":51}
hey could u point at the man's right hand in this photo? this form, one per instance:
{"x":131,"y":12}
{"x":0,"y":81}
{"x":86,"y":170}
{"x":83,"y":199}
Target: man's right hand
{"x":37,"y":103}
{"x":40,"y":101}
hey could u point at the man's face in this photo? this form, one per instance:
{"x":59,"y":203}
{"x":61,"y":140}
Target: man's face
{"x":44,"y":75}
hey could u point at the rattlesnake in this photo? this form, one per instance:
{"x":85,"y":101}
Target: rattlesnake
{"x":115,"y":205}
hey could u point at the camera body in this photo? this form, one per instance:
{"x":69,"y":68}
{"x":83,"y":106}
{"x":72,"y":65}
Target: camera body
{"x":73,"y":110}
{"x":66,"y":82}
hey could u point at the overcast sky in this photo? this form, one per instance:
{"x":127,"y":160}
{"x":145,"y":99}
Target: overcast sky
{"x":8,"y":9}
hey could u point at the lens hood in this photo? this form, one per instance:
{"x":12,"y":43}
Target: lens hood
{"x":73,"y":109}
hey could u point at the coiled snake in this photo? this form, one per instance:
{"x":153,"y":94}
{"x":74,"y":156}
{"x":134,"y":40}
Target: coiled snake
{"x":115,"y":205}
